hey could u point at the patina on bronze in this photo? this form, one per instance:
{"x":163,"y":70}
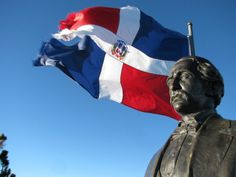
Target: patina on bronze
{"x":204,"y":143}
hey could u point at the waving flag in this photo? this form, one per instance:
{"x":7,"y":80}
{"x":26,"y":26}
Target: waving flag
{"x":123,"y":55}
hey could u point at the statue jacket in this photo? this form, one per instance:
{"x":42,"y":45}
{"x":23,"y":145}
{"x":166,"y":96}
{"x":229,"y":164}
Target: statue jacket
{"x":209,"y":151}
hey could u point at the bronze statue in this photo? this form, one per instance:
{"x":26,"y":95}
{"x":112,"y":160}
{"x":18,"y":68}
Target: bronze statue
{"x":203,"y":144}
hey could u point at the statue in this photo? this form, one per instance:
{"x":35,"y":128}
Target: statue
{"x":203,"y":144}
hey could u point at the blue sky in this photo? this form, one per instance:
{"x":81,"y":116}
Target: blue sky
{"x":56,"y":129}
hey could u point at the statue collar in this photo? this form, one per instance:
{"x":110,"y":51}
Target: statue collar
{"x":191,"y":123}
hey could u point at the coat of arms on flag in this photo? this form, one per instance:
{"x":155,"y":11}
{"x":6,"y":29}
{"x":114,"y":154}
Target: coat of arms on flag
{"x":119,"y":50}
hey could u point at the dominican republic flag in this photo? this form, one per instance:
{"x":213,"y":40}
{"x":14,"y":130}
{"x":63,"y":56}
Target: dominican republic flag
{"x":123,"y":55}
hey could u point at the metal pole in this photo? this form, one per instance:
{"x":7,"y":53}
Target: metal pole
{"x":190,"y":40}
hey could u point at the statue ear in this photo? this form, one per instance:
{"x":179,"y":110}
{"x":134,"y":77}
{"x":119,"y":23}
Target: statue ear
{"x":210,"y":89}
{"x":214,"y":90}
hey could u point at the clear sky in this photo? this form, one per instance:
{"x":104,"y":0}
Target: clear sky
{"x":56,"y":129}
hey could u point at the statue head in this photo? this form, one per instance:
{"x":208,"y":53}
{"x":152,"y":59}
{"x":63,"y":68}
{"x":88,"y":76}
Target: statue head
{"x":194,"y":85}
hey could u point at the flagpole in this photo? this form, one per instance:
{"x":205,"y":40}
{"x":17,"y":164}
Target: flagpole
{"x":190,"y":40}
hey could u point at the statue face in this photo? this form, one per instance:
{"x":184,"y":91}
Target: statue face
{"x":187,"y":93}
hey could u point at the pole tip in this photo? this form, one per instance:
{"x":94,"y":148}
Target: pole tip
{"x":190,"y":24}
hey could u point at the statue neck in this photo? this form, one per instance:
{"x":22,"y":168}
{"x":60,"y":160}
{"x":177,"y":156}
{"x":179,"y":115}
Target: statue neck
{"x":198,"y":117}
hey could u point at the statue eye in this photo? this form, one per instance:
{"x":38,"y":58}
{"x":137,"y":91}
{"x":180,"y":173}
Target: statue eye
{"x":186,"y":75}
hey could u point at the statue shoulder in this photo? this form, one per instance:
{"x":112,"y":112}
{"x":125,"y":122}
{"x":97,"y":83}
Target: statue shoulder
{"x":233,"y":123}
{"x":225,"y":126}
{"x":231,"y":126}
